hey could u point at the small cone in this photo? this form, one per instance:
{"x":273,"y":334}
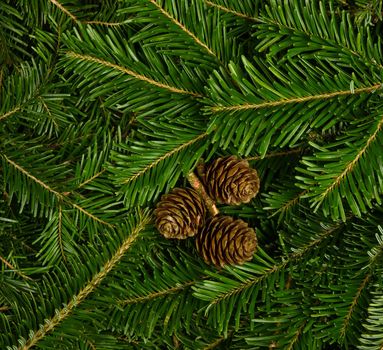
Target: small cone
{"x":230,"y":180}
{"x":180,"y":213}
{"x":225,"y":241}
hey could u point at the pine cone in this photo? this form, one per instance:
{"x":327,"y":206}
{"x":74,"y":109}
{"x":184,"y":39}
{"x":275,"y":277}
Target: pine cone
{"x":230,"y":180}
{"x":180,"y":213}
{"x":225,"y":241}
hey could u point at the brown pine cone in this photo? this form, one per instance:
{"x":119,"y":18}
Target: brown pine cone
{"x":225,"y":241}
{"x":230,"y":180}
{"x":180,"y":213}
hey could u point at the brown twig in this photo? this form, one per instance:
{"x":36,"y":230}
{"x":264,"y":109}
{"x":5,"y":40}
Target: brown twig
{"x":197,"y":185}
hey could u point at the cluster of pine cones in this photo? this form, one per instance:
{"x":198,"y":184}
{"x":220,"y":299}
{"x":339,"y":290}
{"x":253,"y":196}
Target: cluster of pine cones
{"x":220,"y":240}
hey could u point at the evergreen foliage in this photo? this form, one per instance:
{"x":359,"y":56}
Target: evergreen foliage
{"x":106,"y":105}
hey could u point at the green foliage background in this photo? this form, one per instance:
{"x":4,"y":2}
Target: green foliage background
{"x":106,"y":105}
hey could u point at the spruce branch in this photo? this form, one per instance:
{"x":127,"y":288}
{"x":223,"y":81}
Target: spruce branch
{"x":83,"y":294}
{"x":127,"y":71}
{"x":303,"y":99}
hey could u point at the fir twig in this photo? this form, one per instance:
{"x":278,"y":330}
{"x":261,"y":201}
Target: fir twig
{"x":59,"y":232}
{"x":32,"y":177}
{"x":4,"y":308}
{"x":158,"y":294}
{"x":291,"y":203}
{"x":133,"y":74}
{"x":276,"y":154}
{"x":303,"y":99}
{"x":353,"y":305}
{"x":8,"y":114}
{"x":350,"y":166}
{"x":296,"y":337}
{"x":297,"y":255}
{"x":102,"y":23}
{"x":63,"y":9}
{"x":10,"y":266}
{"x":76,"y":300}
{"x":95,"y":176}
{"x":59,"y":196}
{"x":228,"y":10}
{"x":165,"y":156}
{"x":218,"y":341}
{"x":183,"y":28}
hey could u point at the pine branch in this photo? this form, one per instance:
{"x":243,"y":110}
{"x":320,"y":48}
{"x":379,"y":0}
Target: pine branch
{"x":127,"y":71}
{"x":284,"y":102}
{"x":83,"y":294}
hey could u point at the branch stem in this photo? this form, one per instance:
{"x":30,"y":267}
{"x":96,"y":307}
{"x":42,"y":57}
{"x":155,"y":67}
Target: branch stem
{"x":197,"y":185}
